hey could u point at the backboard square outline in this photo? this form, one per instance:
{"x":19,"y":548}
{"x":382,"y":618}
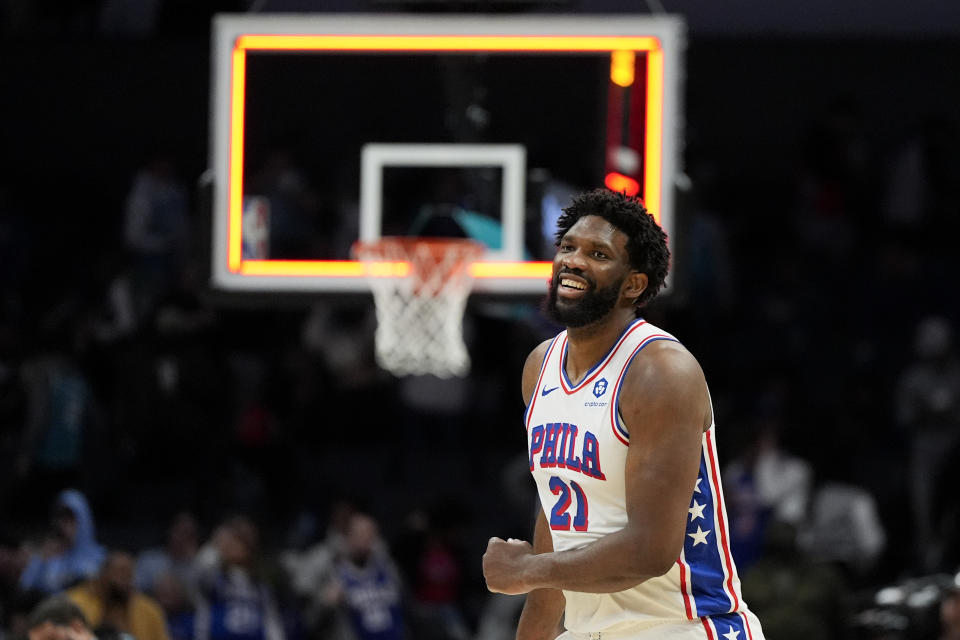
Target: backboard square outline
{"x":235,"y":35}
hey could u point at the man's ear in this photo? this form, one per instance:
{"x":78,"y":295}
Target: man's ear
{"x":635,"y":285}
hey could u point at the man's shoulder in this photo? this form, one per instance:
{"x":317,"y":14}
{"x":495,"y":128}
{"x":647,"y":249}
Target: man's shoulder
{"x":664,"y":382}
{"x":81,"y":591}
{"x":667,"y":353}
{"x":144,"y":604}
{"x":83,"y":596}
{"x":539,"y":352}
{"x":664,"y":363}
{"x":532,"y":367}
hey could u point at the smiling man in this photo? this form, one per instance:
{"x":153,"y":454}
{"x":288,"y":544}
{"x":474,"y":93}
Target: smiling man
{"x":632,"y":538}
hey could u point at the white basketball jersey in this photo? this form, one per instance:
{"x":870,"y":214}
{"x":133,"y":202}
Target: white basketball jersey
{"x":577,"y":446}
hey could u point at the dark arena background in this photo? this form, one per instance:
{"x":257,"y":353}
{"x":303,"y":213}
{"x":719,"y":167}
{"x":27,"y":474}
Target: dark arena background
{"x":816,"y":211}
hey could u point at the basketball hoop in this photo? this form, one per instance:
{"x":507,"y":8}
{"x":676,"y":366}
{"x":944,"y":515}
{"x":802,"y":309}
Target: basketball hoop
{"x":420,"y":288}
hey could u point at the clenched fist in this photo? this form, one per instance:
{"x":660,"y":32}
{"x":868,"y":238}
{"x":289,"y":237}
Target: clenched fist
{"x":505,"y":564}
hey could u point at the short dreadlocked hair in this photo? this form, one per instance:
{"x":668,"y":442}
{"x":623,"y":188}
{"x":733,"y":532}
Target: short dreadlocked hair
{"x":646,"y":241}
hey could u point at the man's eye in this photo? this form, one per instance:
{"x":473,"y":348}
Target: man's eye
{"x":599,"y":254}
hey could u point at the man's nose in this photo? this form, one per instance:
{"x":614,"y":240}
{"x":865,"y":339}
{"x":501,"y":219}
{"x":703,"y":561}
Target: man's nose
{"x":573,"y":260}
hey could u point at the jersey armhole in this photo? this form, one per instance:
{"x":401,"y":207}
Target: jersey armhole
{"x":617,"y":423}
{"x":713,"y":415}
{"x":533,"y":397}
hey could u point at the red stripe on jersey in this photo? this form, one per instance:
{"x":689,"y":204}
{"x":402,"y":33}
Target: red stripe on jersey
{"x":613,"y":424}
{"x":746,"y":623}
{"x":706,"y":625}
{"x":724,"y":544}
{"x":683,"y":588}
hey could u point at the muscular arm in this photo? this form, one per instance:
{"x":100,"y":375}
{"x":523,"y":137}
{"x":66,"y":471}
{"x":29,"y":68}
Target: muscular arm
{"x":665,"y":406}
{"x":540,"y":618}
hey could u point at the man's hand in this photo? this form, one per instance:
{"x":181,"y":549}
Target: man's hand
{"x":504,"y":564}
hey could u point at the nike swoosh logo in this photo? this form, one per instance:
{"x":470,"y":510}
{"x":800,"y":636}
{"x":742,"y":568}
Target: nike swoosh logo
{"x":546,"y":391}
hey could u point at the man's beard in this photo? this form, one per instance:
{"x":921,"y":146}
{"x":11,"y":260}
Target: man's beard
{"x":117,"y":595}
{"x":593,"y":306}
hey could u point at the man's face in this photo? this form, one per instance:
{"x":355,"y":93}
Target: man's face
{"x":589,"y":270}
{"x":362,"y":536}
{"x":231,"y":546}
{"x":65,"y":525}
{"x":118,"y":577}
{"x":183,"y":535}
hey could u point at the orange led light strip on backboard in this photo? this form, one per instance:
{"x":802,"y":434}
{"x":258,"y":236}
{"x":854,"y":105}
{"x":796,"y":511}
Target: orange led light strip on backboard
{"x":357,"y":269}
{"x":275,"y":42}
{"x":413,"y":44}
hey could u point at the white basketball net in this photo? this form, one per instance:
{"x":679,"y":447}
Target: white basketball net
{"x":420,"y":310}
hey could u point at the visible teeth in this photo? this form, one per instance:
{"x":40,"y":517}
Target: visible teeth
{"x":572,"y":283}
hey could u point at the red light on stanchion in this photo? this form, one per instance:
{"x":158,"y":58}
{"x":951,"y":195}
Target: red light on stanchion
{"x":621,"y":183}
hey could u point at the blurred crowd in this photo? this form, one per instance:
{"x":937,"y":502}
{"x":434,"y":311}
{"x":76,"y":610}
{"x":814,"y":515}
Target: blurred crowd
{"x":347,"y":585}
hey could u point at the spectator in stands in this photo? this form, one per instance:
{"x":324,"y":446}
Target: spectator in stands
{"x":178,"y":606}
{"x":17,"y":608}
{"x":367,"y":585}
{"x":798,"y":599}
{"x":15,"y":604}
{"x":112,"y":605}
{"x":235,"y":603}
{"x":833,"y":179}
{"x":949,"y":616}
{"x":61,"y":416}
{"x":71,"y":553}
{"x":432,"y":564}
{"x":156,"y":227}
{"x":294,"y":204}
{"x":921,"y":192}
{"x":928,"y":410}
{"x":313,"y":577}
{"x":764,"y":484}
{"x":844,"y":527}
{"x":177,"y":558}
{"x":58,"y":618}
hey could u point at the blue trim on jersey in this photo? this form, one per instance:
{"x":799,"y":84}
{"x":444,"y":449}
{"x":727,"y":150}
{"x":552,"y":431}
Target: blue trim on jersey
{"x":599,"y":363}
{"x":707,"y":580}
{"x":536,"y":389}
{"x":616,"y":400}
{"x":730,"y":625}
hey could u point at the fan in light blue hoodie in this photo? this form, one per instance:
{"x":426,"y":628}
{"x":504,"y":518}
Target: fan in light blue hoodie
{"x":80,"y":560}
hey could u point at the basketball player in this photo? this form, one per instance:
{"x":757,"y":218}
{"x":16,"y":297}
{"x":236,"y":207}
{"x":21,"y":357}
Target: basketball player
{"x":632,"y":540}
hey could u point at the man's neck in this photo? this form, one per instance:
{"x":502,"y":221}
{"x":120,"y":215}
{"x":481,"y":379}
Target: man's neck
{"x":587,"y":345}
